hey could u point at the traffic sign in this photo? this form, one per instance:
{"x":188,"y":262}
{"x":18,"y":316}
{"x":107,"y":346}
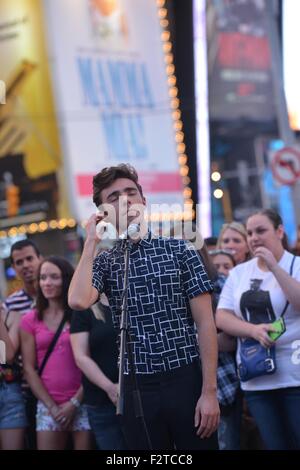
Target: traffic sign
{"x":285,"y":165}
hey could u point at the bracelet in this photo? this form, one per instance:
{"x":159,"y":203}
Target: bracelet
{"x":75,"y":402}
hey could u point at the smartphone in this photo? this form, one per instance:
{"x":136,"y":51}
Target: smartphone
{"x":280,"y":329}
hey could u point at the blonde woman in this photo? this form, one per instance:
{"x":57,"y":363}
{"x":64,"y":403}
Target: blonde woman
{"x":233,"y":237}
{"x":94,"y":343}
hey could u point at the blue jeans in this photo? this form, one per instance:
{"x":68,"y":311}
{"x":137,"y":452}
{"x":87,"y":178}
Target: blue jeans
{"x":229,"y":432}
{"x":277,"y":415}
{"x":105,"y":426}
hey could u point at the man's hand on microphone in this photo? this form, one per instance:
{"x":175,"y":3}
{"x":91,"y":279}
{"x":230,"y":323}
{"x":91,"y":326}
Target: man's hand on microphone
{"x":90,"y":228}
{"x":207,"y":414}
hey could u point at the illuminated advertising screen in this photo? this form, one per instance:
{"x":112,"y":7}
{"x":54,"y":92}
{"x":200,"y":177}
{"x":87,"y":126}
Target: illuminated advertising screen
{"x":31,"y":182}
{"x":291,"y":41}
{"x":239,"y":61}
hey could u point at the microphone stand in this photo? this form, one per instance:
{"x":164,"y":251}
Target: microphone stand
{"x":123,"y":329}
{"x":125,"y":341}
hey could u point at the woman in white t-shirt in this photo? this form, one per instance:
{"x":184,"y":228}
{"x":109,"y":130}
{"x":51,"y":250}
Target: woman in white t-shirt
{"x":253,"y":297}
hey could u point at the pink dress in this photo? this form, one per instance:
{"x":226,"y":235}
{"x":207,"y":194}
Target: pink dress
{"x":61,"y":377}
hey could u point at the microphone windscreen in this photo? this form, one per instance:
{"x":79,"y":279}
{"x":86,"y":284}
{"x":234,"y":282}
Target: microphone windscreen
{"x":133,"y":230}
{"x":106,"y":231}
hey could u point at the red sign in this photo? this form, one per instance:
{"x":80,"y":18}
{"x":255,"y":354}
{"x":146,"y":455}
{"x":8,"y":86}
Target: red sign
{"x":151,"y":181}
{"x":285,"y":165}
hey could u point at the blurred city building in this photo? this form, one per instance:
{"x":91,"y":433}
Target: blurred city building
{"x":191,"y":93}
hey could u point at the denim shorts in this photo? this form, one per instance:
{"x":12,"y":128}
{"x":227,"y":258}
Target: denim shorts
{"x":12,"y":406}
{"x":45,"y":422}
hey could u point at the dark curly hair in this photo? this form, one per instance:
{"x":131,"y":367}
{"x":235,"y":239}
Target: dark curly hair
{"x":108,"y":175}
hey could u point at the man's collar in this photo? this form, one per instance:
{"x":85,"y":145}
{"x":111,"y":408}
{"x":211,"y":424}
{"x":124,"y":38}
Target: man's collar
{"x":147,"y":239}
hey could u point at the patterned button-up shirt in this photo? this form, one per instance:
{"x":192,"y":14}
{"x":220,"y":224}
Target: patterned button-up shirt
{"x":163,"y":275}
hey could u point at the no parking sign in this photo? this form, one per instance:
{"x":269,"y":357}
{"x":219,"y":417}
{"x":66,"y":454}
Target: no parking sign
{"x":285,"y":165}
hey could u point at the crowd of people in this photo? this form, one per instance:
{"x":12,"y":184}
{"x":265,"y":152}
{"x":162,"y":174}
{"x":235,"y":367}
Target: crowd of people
{"x":190,"y":309}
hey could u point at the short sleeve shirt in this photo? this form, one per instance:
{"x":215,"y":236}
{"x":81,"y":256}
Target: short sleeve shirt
{"x":255,"y":296}
{"x":164,"y":274}
{"x":102,"y":349}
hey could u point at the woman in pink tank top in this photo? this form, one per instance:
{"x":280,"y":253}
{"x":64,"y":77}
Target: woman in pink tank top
{"x":58,"y":387}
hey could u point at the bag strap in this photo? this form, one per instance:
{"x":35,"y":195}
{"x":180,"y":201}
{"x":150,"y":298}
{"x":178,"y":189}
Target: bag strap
{"x":6,"y":319}
{"x":52,"y":344}
{"x":290,"y":273}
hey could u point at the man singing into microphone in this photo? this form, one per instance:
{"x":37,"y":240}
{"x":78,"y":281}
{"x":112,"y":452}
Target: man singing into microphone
{"x":168,"y":293}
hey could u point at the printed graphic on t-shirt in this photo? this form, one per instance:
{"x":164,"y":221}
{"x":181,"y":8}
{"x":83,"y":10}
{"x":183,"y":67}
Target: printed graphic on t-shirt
{"x":255,"y":304}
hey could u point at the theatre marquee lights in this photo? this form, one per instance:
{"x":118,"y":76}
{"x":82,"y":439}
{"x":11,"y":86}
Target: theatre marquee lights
{"x":175,"y":103}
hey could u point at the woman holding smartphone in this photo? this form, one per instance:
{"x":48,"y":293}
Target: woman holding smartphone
{"x":254,"y":296}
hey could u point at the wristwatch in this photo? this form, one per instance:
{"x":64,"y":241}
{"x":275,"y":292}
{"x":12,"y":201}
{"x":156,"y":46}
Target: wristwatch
{"x":75,"y":402}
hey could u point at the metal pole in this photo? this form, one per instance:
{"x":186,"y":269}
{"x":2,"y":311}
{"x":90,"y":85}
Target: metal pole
{"x":123,"y":331}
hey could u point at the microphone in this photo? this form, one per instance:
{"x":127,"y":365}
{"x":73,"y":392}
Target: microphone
{"x":131,"y":232}
{"x":106,"y":231}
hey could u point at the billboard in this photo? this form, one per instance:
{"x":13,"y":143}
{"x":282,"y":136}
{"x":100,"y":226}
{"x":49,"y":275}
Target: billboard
{"x":239,"y":61}
{"x":112,"y":95}
{"x":291,"y":67}
{"x":30,"y":158}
